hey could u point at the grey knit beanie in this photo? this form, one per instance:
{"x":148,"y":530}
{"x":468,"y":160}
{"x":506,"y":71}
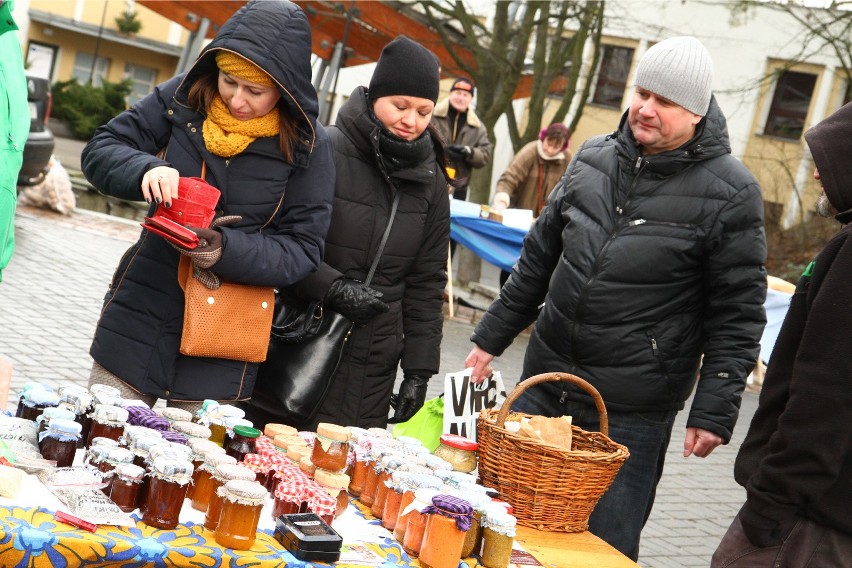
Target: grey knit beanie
{"x":680,"y":70}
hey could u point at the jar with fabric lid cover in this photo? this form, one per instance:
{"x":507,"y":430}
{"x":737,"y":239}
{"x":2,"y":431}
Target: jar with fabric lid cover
{"x":448,"y":520}
{"x":80,"y":402}
{"x":174,"y":414}
{"x":498,"y":535}
{"x":49,"y":414}
{"x":335,"y":483}
{"x":222,"y":474}
{"x":331,"y":447}
{"x":59,"y":441}
{"x":417,"y":517}
{"x":204,"y":486}
{"x":107,"y":422}
{"x":35,"y":399}
{"x":410,"y":485}
{"x":191,"y":430}
{"x":242,"y":502}
{"x":168,"y":482}
{"x":127,"y":480}
{"x":201,"y":449}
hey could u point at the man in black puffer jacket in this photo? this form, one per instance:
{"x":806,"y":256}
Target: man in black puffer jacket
{"x":648,"y":255}
{"x":796,"y":461}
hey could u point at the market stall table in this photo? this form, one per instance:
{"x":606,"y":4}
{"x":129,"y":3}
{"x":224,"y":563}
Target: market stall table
{"x":31,"y":536}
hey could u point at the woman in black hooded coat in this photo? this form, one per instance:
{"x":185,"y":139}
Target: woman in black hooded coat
{"x":382,"y":146}
{"x":280,"y":183}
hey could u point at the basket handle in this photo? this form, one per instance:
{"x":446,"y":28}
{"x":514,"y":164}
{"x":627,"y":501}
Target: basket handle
{"x":551,"y":378}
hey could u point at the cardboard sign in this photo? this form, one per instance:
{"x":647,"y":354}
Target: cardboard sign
{"x":463,"y":400}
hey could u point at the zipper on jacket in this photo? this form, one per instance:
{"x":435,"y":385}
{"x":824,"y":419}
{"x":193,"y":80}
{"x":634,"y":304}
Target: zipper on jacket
{"x":636,"y":222}
{"x":655,"y":351}
{"x":638,"y":168}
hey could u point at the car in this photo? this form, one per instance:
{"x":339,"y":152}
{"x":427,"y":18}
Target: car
{"x":39,"y":146}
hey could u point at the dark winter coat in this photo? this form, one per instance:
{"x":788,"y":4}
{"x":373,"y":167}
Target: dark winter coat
{"x":644,"y":263}
{"x":138,"y":335}
{"x":466,"y":130}
{"x":411,"y":273}
{"x":797,"y":457}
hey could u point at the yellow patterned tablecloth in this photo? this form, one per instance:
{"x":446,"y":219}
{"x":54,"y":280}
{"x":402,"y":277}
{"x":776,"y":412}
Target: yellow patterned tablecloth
{"x":34,"y":538}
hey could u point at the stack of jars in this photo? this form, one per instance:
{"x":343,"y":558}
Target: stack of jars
{"x":329,"y":456}
{"x":222,"y":474}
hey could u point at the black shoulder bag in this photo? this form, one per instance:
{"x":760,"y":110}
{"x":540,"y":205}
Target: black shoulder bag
{"x":305,"y":349}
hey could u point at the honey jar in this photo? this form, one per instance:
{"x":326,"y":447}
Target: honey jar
{"x":331,"y":447}
{"x":242,"y":502}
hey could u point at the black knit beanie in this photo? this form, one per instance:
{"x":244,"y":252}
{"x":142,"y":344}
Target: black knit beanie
{"x":405,"y":68}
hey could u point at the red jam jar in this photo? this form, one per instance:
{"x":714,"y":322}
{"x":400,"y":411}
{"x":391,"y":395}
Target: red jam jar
{"x":59,"y":441}
{"x":169,"y":480}
{"x":243,"y":442}
{"x":107,"y":422}
{"x":125,"y":486}
{"x":331,"y":447}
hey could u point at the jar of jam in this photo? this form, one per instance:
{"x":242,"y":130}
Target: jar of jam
{"x":168,"y":481}
{"x":458,"y":451}
{"x":35,"y":400}
{"x":331,"y":447}
{"x":125,"y":486}
{"x":230,"y":423}
{"x":288,"y":498}
{"x":141,"y":448}
{"x":387,"y":466}
{"x":448,"y":520}
{"x":101,"y":393}
{"x":113,"y":457}
{"x":59,"y":441}
{"x":359,"y":472}
{"x":393,"y":501}
{"x":320,"y":503}
{"x":371,"y":480}
{"x":200,"y":450}
{"x":80,"y":403}
{"x":97,"y":451}
{"x":473,"y":537}
{"x":21,"y":395}
{"x":335,"y":483}
{"x":242,"y":502}
{"x":223,"y":473}
{"x":428,"y":485}
{"x":498,"y":535}
{"x":107,"y":422}
{"x":242,"y":442}
{"x":204,"y":484}
{"x":191,"y":430}
{"x":49,"y":414}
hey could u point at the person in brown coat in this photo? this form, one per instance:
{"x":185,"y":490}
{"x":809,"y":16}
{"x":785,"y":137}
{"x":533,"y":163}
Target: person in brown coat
{"x":534,"y":172}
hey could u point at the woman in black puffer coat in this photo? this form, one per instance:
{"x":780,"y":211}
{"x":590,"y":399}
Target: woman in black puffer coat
{"x":382,"y":146}
{"x":273,"y":164}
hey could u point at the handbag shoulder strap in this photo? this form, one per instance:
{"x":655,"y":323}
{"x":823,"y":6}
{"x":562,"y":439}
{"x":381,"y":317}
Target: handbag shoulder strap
{"x":384,"y":239}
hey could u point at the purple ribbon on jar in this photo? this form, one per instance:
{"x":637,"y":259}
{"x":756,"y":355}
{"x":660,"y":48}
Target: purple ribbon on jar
{"x":176,"y":437}
{"x":452,"y":507}
{"x":155,"y":422}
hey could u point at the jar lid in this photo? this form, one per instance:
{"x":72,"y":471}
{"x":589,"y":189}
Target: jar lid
{"x":110,"y":414}
{"x":143,"y":444}
{"x":231,"y":422}
{"x":506,"y":506}
{"x":119,"y":455}
{"x":246,"y":431}
{"x":177,"y":438}
{"x":379,"y":433}
{"x":256,"y":459}
{"x":306,"y":465}
{"x":70,"y":388}
{"x":459,"y":442}
{"x":101,"y":441}
{"x":357,"y":432}
{"x":130,"y":472}
{"x":244,"y":492}
{"x":174,"y":414}
{"x":191,"y":429}
{"x":41,"y":396}
{"x":100,"y":389}
{"x":408,"y":441}
{"x":331,"y":479}
{"x":424,"y":496}
{"x":334,"y":432}
{"x":78,"y":402}
{"x":497,"y":517}
{"x":390,"y":462}
{"x":228,"y":471}
{"x":201,"y":446}
{"x":171,"y":468}
{"x":212,"y":461}
{"x":434,"y":463}
{"x":297,"y":452}
{"x":285,"y":441}
{"x":51,"y":413}
{"x":274,"y":429}
{"x":64,"y":427}
{"x":320,"y":502}
{"x":415,"y":481}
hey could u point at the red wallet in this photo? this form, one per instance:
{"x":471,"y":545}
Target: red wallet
{"x":171,"y":231}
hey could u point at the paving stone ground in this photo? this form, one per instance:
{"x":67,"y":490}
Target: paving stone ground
{"x":51,"y":296}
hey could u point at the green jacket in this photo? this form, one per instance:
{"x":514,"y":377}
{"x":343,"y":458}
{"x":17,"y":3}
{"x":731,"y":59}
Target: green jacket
{"x":14,"y":126}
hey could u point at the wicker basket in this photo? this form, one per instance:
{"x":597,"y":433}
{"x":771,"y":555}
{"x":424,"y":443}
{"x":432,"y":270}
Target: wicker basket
{"x":549,"y":488}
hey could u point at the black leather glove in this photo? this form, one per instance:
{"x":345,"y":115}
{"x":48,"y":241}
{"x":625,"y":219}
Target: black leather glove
{"x":410,"y":398}
{"x":354,"y":300}
{"x":762,"y":531}
{"x":459,"y":152}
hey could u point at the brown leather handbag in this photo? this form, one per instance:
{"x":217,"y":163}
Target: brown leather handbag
{"x":230,"y":322}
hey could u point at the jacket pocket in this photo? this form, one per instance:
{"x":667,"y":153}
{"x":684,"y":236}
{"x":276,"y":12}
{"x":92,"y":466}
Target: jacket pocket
{"x":660,"y":361}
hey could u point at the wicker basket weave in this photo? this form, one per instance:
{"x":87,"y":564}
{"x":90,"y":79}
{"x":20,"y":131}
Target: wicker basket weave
{"x":549,"y":488}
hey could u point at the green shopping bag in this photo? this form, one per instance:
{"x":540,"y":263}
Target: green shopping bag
{"x":426,"y":425}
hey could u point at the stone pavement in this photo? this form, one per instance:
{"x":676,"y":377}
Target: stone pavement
{"x":52,"y":292}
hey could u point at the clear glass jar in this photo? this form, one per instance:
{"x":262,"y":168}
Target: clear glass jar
{"x":459,"y":451}
{"x":498,"y":535}
{"x":201,"y":450}
{"x":222,"y":474}
{"x":204,"y":483}
{"x":359,"y":473}
{"x":107,"y":422}
{"x":125,"y":486}
{"x":242,"y":442}
{"x":22,"y":395}
{"x":60,"y":441}
{"x":242,"y":502}
{"x":288,"y":499}
{"x":449,"y":519}
{"x":49,"y":414}
{"x":35,"y":400}
{"x":331,"y":447}
{"x":413,"y":518}
{"x":168,"y":482}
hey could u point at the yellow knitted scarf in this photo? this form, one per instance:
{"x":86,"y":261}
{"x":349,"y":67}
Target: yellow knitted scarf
{"x":226,"y":136}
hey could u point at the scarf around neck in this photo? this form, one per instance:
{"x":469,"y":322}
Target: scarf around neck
{"x":225,"y":136}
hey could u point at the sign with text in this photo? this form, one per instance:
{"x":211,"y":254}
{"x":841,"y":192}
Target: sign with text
{"x":463,"y":400}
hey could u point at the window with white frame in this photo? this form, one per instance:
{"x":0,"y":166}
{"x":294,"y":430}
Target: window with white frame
{"x":142,"y":81}
{"x":612,"y":75}
{"x":85,"y":68}
{"x":790,"y":104}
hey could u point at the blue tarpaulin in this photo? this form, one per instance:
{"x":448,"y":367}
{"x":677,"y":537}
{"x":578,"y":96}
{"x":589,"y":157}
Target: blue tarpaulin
{"x":492,"y":241}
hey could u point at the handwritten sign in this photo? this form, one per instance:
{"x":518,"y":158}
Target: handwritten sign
{"x":463,"y":400}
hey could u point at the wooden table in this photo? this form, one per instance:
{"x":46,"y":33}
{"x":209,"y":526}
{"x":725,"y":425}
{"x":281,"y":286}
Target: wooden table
{"x":570,"y":550}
